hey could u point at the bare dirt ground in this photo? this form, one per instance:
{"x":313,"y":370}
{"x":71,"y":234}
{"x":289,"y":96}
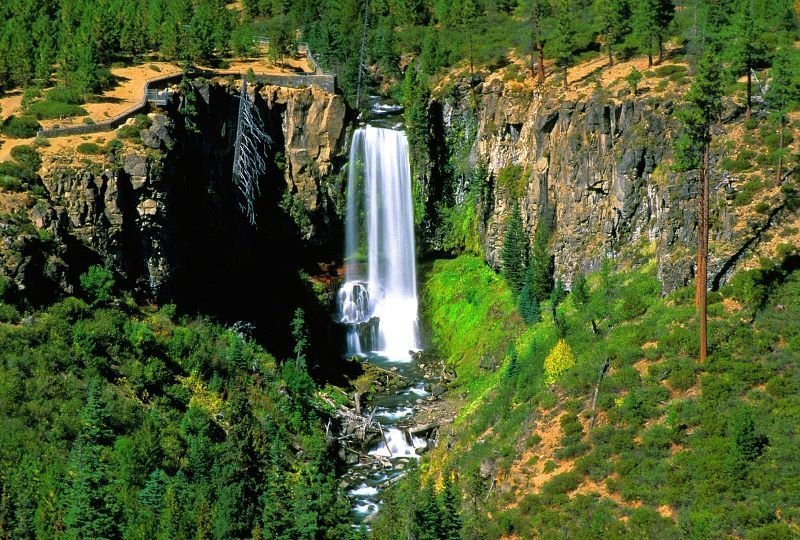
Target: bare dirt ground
{"x":128,"y":92}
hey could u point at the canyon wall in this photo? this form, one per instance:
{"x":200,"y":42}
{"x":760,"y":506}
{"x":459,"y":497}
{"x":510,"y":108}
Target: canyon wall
{"x":600,"y":168}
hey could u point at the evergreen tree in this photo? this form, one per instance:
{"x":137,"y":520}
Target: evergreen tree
{"x":749,"y":444}
{"x":613,"y":16}
{"x":746,"y":46}
{"x":783,"y":92}
{"x":281,"y":40}
{"x":528,"y":303}
{"x":541,"y":264}
{"x":704,"y":103}
{"x":202,"y":33}
{"x":536,"y":12}
{"x":665,"y":14}
{"x":428,"y":517}
{"x":91,"y":511}
{"x":580,"y":290}
{"x":175,"y":515}
{"x":450,"y":503}
{"x":300,"y":337}
{"x":558,"y":293}
{"x":514,"y":254}
{"x":415,"y":98}
{"x":645,"y":19}
{"x":236,"y":472}
{"x":512,"y":369}
{"x":563,"y":37}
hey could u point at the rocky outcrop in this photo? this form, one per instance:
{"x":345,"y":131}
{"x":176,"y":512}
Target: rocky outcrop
{"x":313,"y":128}
{"x":146,"y":209}
{"x":600,"y":170}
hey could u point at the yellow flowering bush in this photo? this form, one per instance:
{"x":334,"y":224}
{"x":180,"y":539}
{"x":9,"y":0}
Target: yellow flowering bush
{"x":559,"y":360}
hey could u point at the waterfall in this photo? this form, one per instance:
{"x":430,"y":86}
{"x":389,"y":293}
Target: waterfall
{"x":380,"y":287}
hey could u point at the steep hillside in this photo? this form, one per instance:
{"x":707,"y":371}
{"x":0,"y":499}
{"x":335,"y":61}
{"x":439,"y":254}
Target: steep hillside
{"x":662,"y":447}
{"x":595,"y":166}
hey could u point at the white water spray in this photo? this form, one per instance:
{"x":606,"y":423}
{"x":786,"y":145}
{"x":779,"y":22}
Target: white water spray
{"x":380,"y":228}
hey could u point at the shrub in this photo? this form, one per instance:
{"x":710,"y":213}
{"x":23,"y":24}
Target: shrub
{"x":562,"y":483}
{"x":8,"y":314}
{"x":28,"y":157}
{"x":89,"y":148}
{"x":98,"y":284}
{"x":558,"y":361}
{"x":10,"y":184}
{"x":142,"y":121}
{"x":129,"y":132}
{"x":20,"y":127}
{"x":513,"y":178}
{"x":112,"y":146}
{"x":44,"y":110}
{"x":64,"y":94}
{"x":11,"y":169}
{"x":671,"y":70}
{"x":762,"y":207}
{"x":736,"y":165}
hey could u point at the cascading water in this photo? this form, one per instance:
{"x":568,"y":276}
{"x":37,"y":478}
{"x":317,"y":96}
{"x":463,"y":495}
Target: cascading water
{"x":380,"y":290}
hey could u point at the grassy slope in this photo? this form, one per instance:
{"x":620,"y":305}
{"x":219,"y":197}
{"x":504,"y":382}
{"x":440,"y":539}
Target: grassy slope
{"x":677,"y":449}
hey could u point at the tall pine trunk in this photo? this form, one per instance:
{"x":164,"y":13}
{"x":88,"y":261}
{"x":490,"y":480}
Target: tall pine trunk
{"x":702,"y":255}
{"x":749,"y":92}
{"x":540,"y":61}
{"x":780,"y":154}
{"x":660,"y":48}
{"x":610,"y":55}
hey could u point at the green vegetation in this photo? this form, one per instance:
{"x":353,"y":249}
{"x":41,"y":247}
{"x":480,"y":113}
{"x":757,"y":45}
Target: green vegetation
{"x":89,"y":148}
{"x":129,"y":423}
{"x":515,"y":251}
{"x":678,"y":449}
{"x":47,"y":109}
{"x":20,"y":127}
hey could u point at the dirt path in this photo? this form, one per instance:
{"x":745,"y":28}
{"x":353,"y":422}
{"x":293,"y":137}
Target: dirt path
{"x":128,"y":92}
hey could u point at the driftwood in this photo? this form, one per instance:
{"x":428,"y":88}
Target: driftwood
{"x":603,"y":371}
{"x":414,"y":430}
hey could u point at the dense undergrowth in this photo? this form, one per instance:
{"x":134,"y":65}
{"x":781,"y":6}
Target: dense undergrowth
{"x":677,"y":449}
{"x":127,"y":422}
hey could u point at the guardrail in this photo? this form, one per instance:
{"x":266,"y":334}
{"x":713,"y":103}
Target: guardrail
{"x":114,"y":122}
{"x":161,"y":97}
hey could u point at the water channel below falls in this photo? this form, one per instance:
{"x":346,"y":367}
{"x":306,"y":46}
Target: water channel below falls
{"x":377,"y":303}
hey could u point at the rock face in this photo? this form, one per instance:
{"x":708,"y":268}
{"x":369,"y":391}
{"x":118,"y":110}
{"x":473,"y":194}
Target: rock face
{"x":164,"y":214}
{"x":600,"y":170}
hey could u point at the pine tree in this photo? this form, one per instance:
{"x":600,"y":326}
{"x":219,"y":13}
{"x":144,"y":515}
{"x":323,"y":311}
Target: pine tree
{"x":300,"y":337}
{"x":202,"y":33}
{"x":91,"y":511}
{"x":782,"y":94}
{"x":613,"y":16}
{"x":541,"y":263}
{"x":236,"y":472}
{"x":580,"y":290}
{"x":528,"y":303}
{"x":704,"y":103}
{"x":450,"y":499}
{"x":645,"y":19}
{"x":746,"y":46}
{"x":558,"y":293}
{"x":665,"y":13}
{"x":563,"y":38}
{"x":536,"y":12}
{"x":176,"y":511}
{"x":514,"y":254}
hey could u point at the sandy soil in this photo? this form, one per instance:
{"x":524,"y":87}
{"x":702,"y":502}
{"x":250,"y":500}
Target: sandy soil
{"x":128,"y":92}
